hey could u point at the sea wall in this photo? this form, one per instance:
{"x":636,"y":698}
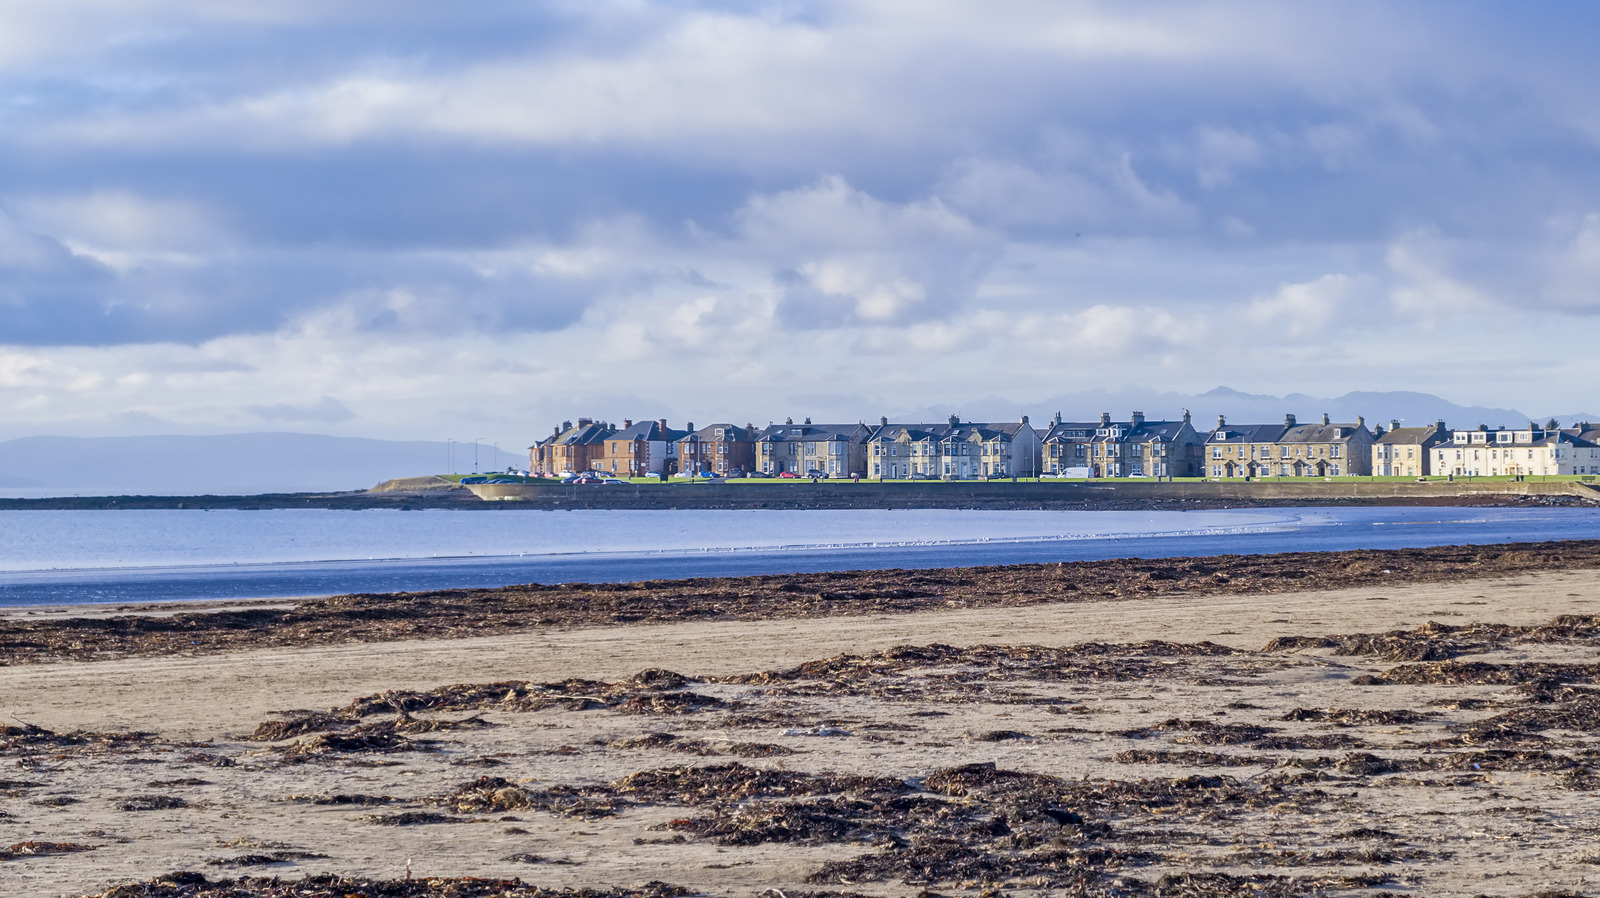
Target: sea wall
{"x":1005,"y":494}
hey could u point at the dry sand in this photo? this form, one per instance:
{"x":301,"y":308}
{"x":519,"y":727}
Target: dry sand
{"x":1502,"y":828}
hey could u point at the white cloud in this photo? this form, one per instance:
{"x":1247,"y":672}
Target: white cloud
{"x":1425,"y":290}
{"x":1572,"y":276}
{"x":121,"y":228}
{"x":1304,"y":310}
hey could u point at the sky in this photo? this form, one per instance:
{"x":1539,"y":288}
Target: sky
{"x":426,"y":221}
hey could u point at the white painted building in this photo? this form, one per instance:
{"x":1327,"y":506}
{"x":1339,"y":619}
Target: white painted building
{"x":1533,"y":451}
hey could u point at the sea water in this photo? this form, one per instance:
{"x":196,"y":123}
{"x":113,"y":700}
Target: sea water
{"x":50,"y":557}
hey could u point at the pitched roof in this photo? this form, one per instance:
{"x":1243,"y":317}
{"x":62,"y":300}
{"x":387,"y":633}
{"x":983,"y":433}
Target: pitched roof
{"x":651,"y":431}
{"x":940,"y":433}
{"x":1321,"y":433}
{"x":1070,"y":430}
{"x":1412,"y":436}
{"x":732,"y":433}
{"x":1143,"y":432}
{"x":812,"y":433}
{"x":1247,"y":433}
{"x":586,"y":435}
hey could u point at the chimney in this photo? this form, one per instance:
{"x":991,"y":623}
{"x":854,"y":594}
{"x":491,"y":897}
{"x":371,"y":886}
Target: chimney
{"x":566,"y":425}
{"x":1361,"y":421}
{"x":808,"y":420}
{"x":1222,"y":421}
{"x":1105,"y":419}
{"x":663,"y":423}
{"x":557,"y":432}
{"x":1288,"y":420}
{"x":1186,"y":416}
{"x":1138,"y":418}
{"x":1024,"y":419}
{"x":1324,"y":418}
{"x":788,"y":420}
{"x":1394,"y":423}
{"x":627,"y":423}
{"x":585,"y":422}
{"x":1439,"y":424}
{"x":954,"y":420}
{"x":884,"y":421}
{"x":689,"y":425}
{"x":1058,"y":418}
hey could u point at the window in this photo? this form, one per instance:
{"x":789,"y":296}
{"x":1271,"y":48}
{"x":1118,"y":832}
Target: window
{"x":1216,"y":451}
{"x":1336,"y":452}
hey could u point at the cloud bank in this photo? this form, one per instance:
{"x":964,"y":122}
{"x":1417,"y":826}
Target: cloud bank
{"x":399,"y":220}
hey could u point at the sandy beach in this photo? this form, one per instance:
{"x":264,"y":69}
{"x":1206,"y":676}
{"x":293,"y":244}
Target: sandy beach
{"x":1170,"y":743}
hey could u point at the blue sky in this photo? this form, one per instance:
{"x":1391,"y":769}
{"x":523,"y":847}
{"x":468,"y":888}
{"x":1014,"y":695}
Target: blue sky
{"x":410,"y":220}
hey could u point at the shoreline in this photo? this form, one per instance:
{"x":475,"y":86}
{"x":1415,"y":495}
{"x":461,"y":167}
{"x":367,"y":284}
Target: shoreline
{"x":1027,"y":495}
{"x":166,"y":629}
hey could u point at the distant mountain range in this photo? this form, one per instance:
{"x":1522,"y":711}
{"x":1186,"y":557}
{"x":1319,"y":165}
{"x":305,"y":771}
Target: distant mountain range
{"x":1411,"y":409}
{"x":230,"y":465}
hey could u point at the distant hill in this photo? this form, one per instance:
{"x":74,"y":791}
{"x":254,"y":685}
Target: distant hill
{"x":1412,"y":409}
{"x":233,"y":464}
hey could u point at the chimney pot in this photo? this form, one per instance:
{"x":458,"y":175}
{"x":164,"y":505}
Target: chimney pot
{"x":1394,"y":423}
{"x":1288,"y":420}
{"x":1105,"y":419}
{"x":884,"y":421}
{"x":1222,"y":421}
{"x":627,"y":423}
{"x":1137,"y":418}
{"x":1058,"y":418}
{"x":808,"y":420}
{"x":1324,"y":417}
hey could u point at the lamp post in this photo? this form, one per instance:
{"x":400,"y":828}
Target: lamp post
{"x":475,"y":454}
{"x":450,"y":455}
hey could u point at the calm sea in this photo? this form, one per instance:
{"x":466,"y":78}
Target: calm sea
{"x":50,"y":557}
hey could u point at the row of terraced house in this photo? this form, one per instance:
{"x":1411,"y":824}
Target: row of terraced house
{"x":1137,"y":447}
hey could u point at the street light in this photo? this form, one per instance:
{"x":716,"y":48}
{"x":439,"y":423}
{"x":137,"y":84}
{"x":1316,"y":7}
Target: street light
{"x":475,"y":454}
{"x":450,"y":455}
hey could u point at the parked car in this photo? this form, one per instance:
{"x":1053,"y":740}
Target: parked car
{"x":817,"y":474}
{"x":788,"y":475}
{"x":760,"y":475}
{"x":920,"y":476}
{"x":612,"y":481}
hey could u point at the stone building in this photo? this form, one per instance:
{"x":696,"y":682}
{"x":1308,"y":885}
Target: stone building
{"x":719,"y":449}
{"x":1141,"y":448}
{"x":648,"y":448}
{"x":1406,"y":451}
{"x":955,"y":450}
{"x":1064,"y":447}
{"x":1515,"y":453}
{"x":1290,"y":449}
{"x":569,"y":449}
{"x":806,"y":449}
